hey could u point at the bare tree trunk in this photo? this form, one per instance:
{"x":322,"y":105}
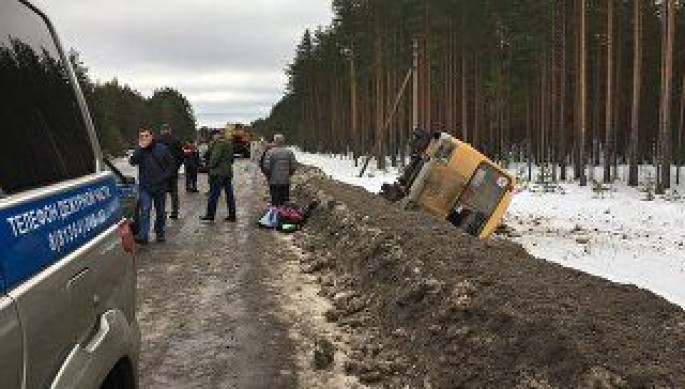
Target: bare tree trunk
{"x":637,"y":86}
{"x":619,"y":103}
{"x":608,"y":136}
{"x":553,"y":94}
{"x":475,"y":138}
{"x":596,"y":127}
{"x":562,"y":97}
{"x":542,"y":150}
{"x":665,"y":112}
{"x":529,"y":136}
{"x":583,"y":91}
{"x":681,"y":128}
{"x":506,"y":120}
{"x":379,"y":101}
{"x":423,"y":98}
{"x":464,"y":96}
{"x":577,"y":165}
{"x":353,"y":106}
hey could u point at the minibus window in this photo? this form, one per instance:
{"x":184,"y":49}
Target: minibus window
{"x":480,"y":199}
{"x":488,"y":185}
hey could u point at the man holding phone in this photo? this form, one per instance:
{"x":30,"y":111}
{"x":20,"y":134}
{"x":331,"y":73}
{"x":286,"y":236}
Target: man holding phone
{"x":155,"y":167}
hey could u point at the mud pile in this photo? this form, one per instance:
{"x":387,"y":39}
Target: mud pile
{"x":432,"y":307}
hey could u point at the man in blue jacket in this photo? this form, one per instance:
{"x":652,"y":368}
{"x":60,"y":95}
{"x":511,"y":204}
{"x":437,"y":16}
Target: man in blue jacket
{"x":155,"y":167}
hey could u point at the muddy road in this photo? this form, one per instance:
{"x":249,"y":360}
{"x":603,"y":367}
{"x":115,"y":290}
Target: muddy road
{"x":225,"y":305}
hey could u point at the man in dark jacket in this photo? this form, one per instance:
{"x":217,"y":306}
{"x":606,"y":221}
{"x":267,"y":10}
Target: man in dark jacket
{"x":220,"y":177}
{"x":279,"y":164}
{"x":155,"y":166}
{"x":191,"y":161}
{"x":176,"y":150}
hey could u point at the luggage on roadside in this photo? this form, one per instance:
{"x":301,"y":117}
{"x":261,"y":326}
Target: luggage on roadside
{"x":269,"y":219}
{"x":285,"y":218}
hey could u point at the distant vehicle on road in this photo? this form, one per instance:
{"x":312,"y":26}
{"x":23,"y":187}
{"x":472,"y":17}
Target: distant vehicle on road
{"x":67,"y":272}
{"x":242,"y":139}
{"x":453,"y":181}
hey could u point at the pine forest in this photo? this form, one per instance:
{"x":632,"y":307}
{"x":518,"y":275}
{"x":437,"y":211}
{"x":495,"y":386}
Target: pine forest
{"x":119,"y":112}
{"x":565,"y":84}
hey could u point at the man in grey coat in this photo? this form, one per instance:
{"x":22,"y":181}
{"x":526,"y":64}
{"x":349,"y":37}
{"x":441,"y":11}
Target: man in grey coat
{"x":278,"y":165}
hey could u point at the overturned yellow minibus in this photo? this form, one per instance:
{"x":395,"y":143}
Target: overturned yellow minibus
{"x":453,"y":181}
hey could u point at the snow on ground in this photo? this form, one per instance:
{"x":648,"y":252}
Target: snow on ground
{"x":342,"y":168}
{"x":618,"y":236}
{"x":615,"y":234}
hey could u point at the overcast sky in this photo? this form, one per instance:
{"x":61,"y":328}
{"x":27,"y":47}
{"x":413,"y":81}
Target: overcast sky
{"x":226,"y":56}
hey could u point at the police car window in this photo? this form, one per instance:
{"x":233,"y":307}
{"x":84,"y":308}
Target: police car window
{"x":43,"y":131}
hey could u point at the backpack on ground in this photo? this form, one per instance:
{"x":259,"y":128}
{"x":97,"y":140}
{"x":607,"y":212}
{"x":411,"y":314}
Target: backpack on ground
{"x":285,"y":218}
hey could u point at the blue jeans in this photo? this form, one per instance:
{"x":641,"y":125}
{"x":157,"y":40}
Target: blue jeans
{"x":146,"y":201}
{"x":216,"y":183}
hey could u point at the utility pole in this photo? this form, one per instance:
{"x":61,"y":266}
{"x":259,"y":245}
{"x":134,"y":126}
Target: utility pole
{"x":415,"y":117}
{"x":415,"y":86}
{"x":353,"y":105}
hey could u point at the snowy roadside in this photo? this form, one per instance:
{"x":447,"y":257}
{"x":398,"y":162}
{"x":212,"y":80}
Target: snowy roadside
{"x":343,"y":169}
{"x":619,"y":237}
{"x":616,"y":235}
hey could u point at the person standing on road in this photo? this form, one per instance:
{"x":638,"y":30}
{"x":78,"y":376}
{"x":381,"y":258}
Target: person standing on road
{"x":278,"y":166}
{"x":265,"y":147}
{"x":191,"y":161}
{"x":176,"y":150}
{"x":220,"y":176}
{"x":155,"y":166}
{"x":204,"y":155}
{"x":202,"y":149}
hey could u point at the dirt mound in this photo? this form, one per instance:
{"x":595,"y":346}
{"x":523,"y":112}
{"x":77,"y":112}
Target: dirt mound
{"x":433,"y":307}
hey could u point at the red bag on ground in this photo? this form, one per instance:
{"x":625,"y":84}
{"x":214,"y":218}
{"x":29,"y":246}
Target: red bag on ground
{"x":290,"y":214}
